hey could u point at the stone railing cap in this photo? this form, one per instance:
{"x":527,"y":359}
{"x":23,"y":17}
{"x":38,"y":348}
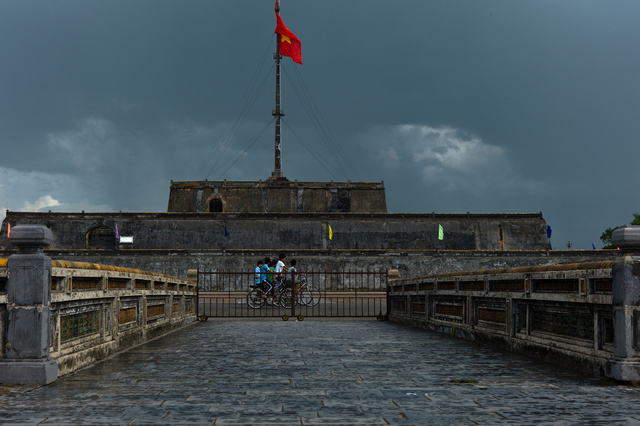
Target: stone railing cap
{"x":393,"y":274}
{"x":626,"y":237}
{"x":35,"y":236}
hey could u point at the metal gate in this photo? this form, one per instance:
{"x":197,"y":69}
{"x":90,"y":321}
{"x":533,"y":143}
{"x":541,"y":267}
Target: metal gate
{"x":314,"y":294}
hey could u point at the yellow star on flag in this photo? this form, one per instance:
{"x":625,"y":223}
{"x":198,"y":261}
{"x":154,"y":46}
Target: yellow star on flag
{"x":285,"y":38}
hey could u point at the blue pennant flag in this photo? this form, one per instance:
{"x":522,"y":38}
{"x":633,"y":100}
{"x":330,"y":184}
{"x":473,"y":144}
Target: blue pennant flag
{"x":226,"y":234}
{"x":548,"y":231}
{"x":593,"y":245}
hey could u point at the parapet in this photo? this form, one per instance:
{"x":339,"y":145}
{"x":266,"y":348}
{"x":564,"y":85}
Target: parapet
{"x":276,"y":196}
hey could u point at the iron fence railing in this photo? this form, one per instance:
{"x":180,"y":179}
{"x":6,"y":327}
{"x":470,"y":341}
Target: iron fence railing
{"x":315,"y":294}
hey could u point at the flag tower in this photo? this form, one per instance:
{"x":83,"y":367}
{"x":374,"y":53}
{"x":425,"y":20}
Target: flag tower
{"x":278,"y":112}
{"x":287,"y":44}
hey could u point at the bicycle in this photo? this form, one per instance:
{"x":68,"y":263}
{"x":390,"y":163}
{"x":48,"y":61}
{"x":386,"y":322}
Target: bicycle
{"x":275,"y":294}
{"x":308,"y":295}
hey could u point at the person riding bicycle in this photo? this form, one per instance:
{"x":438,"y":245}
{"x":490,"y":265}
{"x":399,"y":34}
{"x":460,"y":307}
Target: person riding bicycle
{"x":281,"y":268}
{"x":270,"y":282}
{"x":293,"y":275}
{"x":271,"y":289}
{"x":256,"y":276}
{"x":264,"y":269}
{"x":271,"y":272}
{"x":266,"y":278}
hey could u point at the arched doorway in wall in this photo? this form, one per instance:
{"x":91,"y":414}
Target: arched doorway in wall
{"x":215,"y":205}
{"x":101,"y":237}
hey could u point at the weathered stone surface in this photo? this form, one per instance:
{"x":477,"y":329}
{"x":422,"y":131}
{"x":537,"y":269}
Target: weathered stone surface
{"x":277,"y":196}
{"x":320,"y":372}
{"x":28,"y":283}
{"x":172,"y":243}
{"x":290,"y":231}
{"x":626,"y":283}
{"x":625,"y":365}
{"x":627,"y":238}
{"x":624,"y":369}
{"x":31,"y":237}
{"x":27,"y":332}
{"x":556,"y":313}
{"x":26,"y":349}
{"x":3,"y":322}
{"x":80,"y":322}
{"x":39,"y":371}
{"x":409,"y":263}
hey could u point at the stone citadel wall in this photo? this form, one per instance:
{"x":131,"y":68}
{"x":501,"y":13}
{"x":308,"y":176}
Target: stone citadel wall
{"x":287,"y":231}
{"x":172,"y":243}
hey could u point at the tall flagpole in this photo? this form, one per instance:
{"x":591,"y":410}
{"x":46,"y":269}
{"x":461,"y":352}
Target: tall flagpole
{"x":277,"y":112}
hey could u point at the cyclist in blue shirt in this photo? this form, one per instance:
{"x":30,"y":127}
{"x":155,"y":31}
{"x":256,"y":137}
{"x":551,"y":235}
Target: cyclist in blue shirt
{"x":264,"y":270}
{"x":256,"y":276}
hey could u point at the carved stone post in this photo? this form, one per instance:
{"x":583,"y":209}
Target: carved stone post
{"x":625,"y":364}
{"x":27,"y":358}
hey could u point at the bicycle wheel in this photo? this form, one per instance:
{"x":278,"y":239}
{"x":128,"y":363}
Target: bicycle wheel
{"x":305,"y":297}
{"x":255,"y":299}
{"x":285,"y":298}
{"x":312,"y":295}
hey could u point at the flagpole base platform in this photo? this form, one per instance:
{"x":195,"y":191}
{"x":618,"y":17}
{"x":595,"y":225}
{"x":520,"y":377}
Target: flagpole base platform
{"x":277,"y":176}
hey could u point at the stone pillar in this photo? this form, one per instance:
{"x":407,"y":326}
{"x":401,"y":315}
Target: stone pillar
{"x":625,"y":364}
{"x":27,"y":358}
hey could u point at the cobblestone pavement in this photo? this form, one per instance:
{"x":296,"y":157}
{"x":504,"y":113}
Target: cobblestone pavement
{"x":319,"y":372}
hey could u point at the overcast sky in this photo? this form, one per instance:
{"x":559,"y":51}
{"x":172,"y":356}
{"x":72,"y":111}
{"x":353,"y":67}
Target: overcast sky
{"x":479,"y":106}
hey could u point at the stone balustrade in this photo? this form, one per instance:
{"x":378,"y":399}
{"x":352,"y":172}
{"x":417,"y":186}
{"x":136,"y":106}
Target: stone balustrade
{"x":584,"y":316}
{"x":59,"y":316}
{"x":561,"y":313}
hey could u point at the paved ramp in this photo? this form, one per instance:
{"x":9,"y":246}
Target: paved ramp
{"x":319,"y":372}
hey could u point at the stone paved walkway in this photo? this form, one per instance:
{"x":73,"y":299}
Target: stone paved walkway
{"x":319,"y":372}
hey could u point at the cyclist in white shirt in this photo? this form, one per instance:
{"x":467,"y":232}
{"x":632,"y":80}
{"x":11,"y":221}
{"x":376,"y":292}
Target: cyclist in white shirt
{"x":280,"y":266}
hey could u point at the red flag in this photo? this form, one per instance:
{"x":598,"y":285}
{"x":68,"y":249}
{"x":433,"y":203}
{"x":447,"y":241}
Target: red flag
{"x":8,"y":230}
{"x":289,"y":43}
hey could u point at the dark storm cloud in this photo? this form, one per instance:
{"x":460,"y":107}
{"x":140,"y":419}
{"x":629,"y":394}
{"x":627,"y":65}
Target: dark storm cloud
{"x":492,"y":106}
